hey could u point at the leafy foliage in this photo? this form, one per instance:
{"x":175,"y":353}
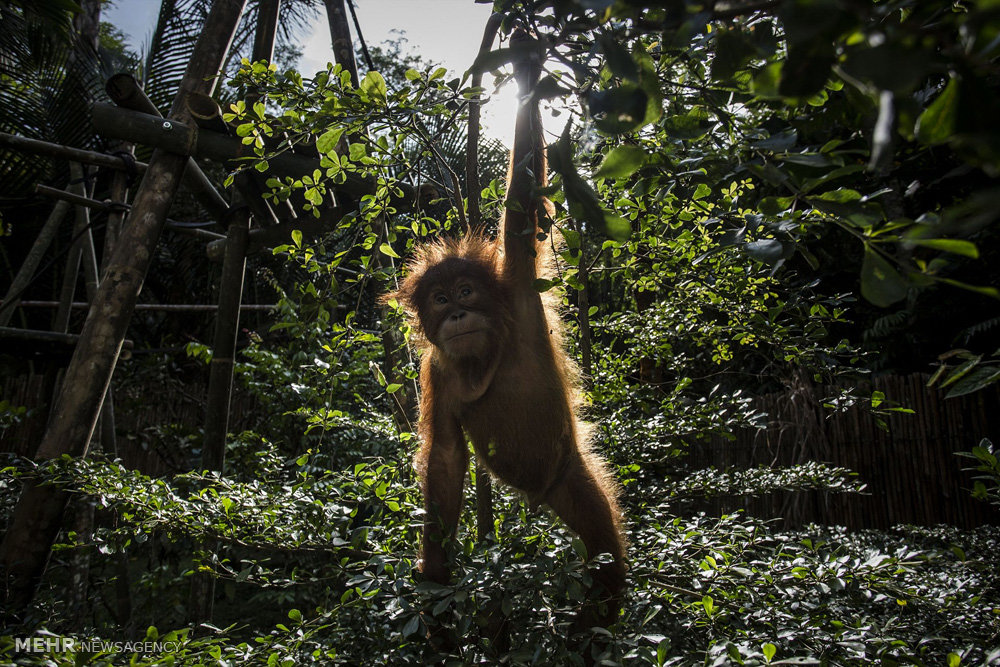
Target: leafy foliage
{"x":728,"y":180}
{"x":178,"y":26}
{"x":987,"y":484}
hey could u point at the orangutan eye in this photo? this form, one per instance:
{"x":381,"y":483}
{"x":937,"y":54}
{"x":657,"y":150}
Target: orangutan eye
{"x":440,"y":299}
{"x":465,"y":291}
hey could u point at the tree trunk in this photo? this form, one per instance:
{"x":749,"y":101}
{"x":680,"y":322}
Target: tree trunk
{"x":340,"y":36}
{"x":220,"y":384}
{"x":38,"y":515}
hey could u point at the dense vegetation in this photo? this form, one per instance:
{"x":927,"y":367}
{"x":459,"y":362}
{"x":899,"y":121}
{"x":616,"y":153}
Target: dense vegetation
{"x":749,"y":197}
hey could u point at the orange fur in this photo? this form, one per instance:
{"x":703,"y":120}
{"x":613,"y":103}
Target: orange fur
{"x":493,"y":371}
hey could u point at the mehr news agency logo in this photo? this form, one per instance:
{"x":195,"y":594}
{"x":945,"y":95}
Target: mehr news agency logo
{"x":55,"y":644}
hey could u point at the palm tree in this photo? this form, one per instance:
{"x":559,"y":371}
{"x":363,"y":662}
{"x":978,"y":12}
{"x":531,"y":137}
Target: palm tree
{"x":179,"y":24}
{"x":49,"y":76}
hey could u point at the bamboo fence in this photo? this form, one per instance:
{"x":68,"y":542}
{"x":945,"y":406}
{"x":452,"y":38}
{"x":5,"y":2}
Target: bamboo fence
{"x":911,"y":470}
{"x":183,"y":406}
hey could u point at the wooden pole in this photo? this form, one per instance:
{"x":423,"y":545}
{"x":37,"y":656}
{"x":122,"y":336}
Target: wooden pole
{"x":116,"y":217}
{"x":472,"y":145}
{"x":38,"y":147}
{"x":195,"y":181}
{"x":31,"y":261}
{"x":583,"y":307}
{"x":266,"y":29}
{"x":268,"y":237}
{"x":38,"y":515}
{"x":42,"y":336}
{"x":117,"y":208}
{"x":227,"y":322}
{"x":220,"y":381}
{"x":158,"y":307}
{"x":88,"y":252}
{"x":484,"y":483}
{"x":81,"y":231}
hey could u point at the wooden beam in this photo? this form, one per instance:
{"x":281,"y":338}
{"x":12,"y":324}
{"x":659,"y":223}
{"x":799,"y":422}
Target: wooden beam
{"x":188,"y":139}
{"x":126,"y":92}
{"x":80,"y":200}
{"x":157,"y":307}
{"x":207,"y":196}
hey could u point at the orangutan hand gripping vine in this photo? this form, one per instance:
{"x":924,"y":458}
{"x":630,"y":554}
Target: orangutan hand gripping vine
{"x":494,"y":370}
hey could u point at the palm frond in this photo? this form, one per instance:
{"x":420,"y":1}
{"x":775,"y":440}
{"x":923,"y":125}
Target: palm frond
{"x":177,"y":29}
{"x":48,"y":80}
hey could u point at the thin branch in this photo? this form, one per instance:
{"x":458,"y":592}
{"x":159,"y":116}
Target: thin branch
{"x":472,"y":145}
{"x":451,"y":172}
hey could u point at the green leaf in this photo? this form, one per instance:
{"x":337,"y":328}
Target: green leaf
{"x":938,"y":121}
{"x":778,"y":143}
{"x":571,"y":236}
{"x":769,"y":651}
{"x":889,"y":66}
{"x":817,"y":160}
{"x":662,"y":651}
{"x":618,"y":59}
{"x":955,"y":246}
{"x":617,"y":227}
{"x":374,"y":85}
{"x":412,"y":626}
{"x":297,"y":237}
{"x":492,"y":60}
{"x":386,"y":249}
{"x":775,"y":205}
{"x":393,"y":388}
{"x":985,"y":291}
{"x":765,"y":83}
{"x":806,"y":68}
{"x":581,"y":197}
{"x":881,"y":284}
{"x":695,"y":124}
{"x":977,"y":379}
{"x":327,"y":142}
{"x":618,"y":110}
{"x":543,"y":285}
{"x":621,"y":162}
{"x":709,"y":604}
{"x":769,"y":251}
{"x":731,"y":50}
{"x":548,"y":88}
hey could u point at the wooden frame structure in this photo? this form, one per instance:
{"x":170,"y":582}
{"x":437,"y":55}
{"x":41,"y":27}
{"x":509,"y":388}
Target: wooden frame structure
{"x":192,"y":128}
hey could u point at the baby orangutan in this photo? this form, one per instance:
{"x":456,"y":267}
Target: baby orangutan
{"x":493,"y":370}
